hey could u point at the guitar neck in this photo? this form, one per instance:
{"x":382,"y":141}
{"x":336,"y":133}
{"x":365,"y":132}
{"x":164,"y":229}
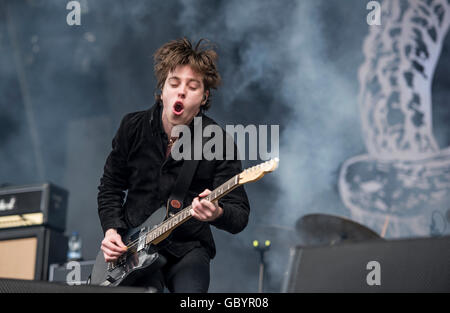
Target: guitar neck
{"x":185,"y":214}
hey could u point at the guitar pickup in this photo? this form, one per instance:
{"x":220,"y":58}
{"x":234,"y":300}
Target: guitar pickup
{"x":141,"y":243}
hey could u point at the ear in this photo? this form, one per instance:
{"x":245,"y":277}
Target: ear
{"x":205,"y":97}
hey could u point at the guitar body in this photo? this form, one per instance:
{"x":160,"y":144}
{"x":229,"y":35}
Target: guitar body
{"x":137,"y":261}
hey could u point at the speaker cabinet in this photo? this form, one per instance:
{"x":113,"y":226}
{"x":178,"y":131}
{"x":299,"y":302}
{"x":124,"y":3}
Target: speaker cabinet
{"x":25,"y":253}
{"x":408,"y":265}
{"x":25,"y":286}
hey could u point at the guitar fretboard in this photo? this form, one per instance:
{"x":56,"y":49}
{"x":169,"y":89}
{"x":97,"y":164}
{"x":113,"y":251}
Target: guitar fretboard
{"x":185,"y":214}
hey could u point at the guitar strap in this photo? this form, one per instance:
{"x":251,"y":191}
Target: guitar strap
{"x":184,"y":179}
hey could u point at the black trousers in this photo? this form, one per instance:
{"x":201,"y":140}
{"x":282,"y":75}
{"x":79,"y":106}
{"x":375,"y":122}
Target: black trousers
{"x":188,"y":274}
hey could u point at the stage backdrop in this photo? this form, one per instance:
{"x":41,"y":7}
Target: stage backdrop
{"x":359,"y":90}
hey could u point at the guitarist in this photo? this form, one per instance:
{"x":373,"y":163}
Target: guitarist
{"x":141,"y":166}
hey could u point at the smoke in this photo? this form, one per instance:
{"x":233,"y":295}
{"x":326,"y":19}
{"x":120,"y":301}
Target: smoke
{"x":321,"y":91}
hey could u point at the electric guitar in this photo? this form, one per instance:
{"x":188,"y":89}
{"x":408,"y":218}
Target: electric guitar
{"x":141,"y":255}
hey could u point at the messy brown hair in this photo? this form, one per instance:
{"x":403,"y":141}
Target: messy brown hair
{"x":202,"y":60}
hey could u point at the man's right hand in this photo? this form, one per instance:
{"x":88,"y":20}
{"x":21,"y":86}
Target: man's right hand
{"x":112,"y":245}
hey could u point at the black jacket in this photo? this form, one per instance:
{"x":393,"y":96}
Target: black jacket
{"x":137,"y":164}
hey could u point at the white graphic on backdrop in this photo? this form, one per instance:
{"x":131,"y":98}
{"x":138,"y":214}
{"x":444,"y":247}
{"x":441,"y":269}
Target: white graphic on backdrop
{"x":405,"y":176}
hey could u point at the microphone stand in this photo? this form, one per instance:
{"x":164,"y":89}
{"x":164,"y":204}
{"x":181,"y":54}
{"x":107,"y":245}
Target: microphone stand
{"x":262,"y":250}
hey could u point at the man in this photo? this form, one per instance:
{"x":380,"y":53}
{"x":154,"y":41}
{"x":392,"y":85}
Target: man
{"x":141,"y":164}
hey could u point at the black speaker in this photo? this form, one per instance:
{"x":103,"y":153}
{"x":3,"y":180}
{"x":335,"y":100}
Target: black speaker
{"x":24,"y":286}
{"x":407,"y":265}
{"x":26,"y":253}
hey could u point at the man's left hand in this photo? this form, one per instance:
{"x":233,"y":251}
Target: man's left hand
{"x":204,"y":210}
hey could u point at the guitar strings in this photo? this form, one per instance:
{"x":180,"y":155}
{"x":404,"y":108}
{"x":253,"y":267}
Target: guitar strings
{"x":137,"y":240}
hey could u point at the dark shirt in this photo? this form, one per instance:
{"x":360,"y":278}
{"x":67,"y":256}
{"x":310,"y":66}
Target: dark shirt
{"x":137,"y":164}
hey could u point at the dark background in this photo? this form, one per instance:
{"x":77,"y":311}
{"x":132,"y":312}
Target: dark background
{"x":64,"y":90}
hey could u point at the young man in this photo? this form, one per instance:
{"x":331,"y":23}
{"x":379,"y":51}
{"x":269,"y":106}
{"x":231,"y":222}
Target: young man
{"x":141,"y":164}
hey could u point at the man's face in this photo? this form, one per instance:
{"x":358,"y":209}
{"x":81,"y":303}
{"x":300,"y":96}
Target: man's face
{"x":182,"y":96}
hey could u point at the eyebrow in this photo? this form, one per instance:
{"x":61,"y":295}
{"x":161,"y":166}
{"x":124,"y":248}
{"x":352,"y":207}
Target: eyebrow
{"x":189,"y":80}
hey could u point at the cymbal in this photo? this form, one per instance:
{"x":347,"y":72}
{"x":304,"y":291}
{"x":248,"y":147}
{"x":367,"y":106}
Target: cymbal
{"x":316,"y":229}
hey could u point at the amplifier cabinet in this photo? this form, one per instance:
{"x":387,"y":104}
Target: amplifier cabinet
{"x":25,"y":286}
{"x":40,"y":204}
{"x":401,"y":265}
{"x":27,"y":252}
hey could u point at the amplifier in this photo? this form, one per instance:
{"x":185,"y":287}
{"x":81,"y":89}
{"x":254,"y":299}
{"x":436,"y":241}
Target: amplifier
{"x":26,"y":286}
{"x":40,"y":204}
{"x":400,"y":265}
{"x":26,"y":252}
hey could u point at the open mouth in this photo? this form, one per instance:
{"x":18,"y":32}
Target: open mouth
{"x":178,"y":108}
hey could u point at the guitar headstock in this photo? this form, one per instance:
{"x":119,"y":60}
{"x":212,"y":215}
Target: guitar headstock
{"x":256,"y":172}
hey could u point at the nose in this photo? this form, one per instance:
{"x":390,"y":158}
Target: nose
{"x":182,"y":91}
